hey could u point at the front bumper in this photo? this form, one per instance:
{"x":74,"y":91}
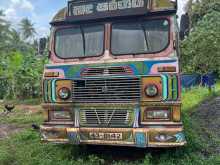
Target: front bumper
{"x":154,"y":136}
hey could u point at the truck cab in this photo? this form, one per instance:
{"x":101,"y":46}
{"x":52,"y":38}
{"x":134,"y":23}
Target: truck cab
{"x":113,"y":76}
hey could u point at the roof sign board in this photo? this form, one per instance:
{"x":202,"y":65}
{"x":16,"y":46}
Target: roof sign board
{"x":94,"y":9}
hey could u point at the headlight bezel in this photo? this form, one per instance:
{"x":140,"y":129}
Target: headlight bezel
{"x":63,"y":83}
{"x":151,"y":80}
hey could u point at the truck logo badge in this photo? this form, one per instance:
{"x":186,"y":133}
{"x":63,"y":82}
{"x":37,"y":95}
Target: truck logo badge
{"x":104,"y":89}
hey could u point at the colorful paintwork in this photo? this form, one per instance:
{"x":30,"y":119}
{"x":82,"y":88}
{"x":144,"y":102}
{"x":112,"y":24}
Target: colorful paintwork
{"x":139,"y":68}
{"x":121,"y":80}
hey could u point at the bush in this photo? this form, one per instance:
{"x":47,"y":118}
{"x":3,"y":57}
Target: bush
{"x":22,"y":73}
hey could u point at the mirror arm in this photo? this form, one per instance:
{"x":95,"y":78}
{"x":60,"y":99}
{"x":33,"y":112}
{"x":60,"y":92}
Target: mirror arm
{"x":49,"y":53}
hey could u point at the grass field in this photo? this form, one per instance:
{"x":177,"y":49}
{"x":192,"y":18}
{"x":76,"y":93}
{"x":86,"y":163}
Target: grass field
{"x":25,"y":148}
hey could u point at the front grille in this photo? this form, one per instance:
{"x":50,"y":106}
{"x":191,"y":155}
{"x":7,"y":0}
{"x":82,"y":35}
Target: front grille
{"x":106,"y":118}
{"x":106,"y":90}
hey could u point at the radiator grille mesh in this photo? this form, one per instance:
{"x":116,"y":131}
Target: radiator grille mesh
{"x":106,"y":118}
{"x":106,"y":90}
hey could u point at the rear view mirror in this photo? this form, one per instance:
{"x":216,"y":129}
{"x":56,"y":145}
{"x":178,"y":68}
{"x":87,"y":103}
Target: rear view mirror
{"x":42,"y":46}
{"x":184,"y":26}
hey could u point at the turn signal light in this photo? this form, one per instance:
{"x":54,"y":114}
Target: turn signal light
{"x":51,"y":74}
{"x":176,"y":114}
{"x":167,"y":69}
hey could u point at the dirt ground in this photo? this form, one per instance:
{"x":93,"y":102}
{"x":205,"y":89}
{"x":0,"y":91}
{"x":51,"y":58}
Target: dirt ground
{"x":8,"y":129}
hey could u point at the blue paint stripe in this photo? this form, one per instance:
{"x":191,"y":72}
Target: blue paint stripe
{"x":53,"y":94}
{"x":165,"y":86}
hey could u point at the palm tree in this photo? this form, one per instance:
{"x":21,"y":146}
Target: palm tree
{"x":27,"y":29}
{"x":16,"y":42}
{"x":1,"y":15}
{"x":4,"y":31}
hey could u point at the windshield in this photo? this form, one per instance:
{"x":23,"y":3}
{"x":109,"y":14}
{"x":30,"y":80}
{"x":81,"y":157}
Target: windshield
{"x":148,"y":36}
{"x":81,"y":41}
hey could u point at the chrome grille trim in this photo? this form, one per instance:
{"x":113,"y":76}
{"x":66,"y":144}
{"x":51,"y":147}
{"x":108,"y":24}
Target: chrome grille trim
{"x":106,"y":117}
{"x":102,"y":90}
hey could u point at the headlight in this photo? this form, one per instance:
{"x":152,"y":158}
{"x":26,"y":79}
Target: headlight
{"x":151,"y":90}
{"x":64,"y":93}
{"x":157,"y":115}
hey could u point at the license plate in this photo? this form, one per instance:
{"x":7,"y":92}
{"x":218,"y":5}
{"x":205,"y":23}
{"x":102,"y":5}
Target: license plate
{"x":105,"y":136}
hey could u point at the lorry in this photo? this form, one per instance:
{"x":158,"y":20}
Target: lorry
{"x":113,"y":76}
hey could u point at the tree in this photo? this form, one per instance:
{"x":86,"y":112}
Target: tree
{"x":4,"y":32}
{"x":199,"y":8}
{"x":20,"y":69}
{"x":1,"y":17}
{"x":201,"y":50}
{"x":27,"y":29}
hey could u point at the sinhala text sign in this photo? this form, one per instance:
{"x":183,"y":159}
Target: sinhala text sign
{"x":93,"y":9}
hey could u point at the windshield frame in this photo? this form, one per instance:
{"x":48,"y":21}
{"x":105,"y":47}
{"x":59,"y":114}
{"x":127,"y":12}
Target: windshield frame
{"x":139,"y":21}
{"x":78,"y":26}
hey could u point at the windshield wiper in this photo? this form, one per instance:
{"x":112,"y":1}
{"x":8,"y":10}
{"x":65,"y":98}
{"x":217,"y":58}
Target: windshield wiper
{"x":84,"y":41}
{"x":145,"y":36}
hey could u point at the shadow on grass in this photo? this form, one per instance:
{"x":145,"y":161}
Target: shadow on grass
{"x":125,"y":153}
{"x":114,"y":154}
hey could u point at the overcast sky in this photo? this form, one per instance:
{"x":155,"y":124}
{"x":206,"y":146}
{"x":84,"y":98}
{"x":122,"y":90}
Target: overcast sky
{"x":41,"y":11}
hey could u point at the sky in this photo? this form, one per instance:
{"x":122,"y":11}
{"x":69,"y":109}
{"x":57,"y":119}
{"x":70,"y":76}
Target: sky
{"x":40,"y":12}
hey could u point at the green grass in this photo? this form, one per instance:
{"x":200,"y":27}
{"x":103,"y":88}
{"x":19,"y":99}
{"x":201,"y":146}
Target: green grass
{"x":25,"y":148}
{"x":195,"y":96}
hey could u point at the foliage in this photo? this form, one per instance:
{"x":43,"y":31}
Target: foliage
{"x":22,"y":75}
{"x":25,"y":148}
{"x":201,"y":51}
{"x":20,"y":68}
{"x":199,"y":8}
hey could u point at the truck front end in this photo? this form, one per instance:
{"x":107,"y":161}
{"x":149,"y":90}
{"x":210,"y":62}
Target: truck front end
{"x":113,"y":78}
